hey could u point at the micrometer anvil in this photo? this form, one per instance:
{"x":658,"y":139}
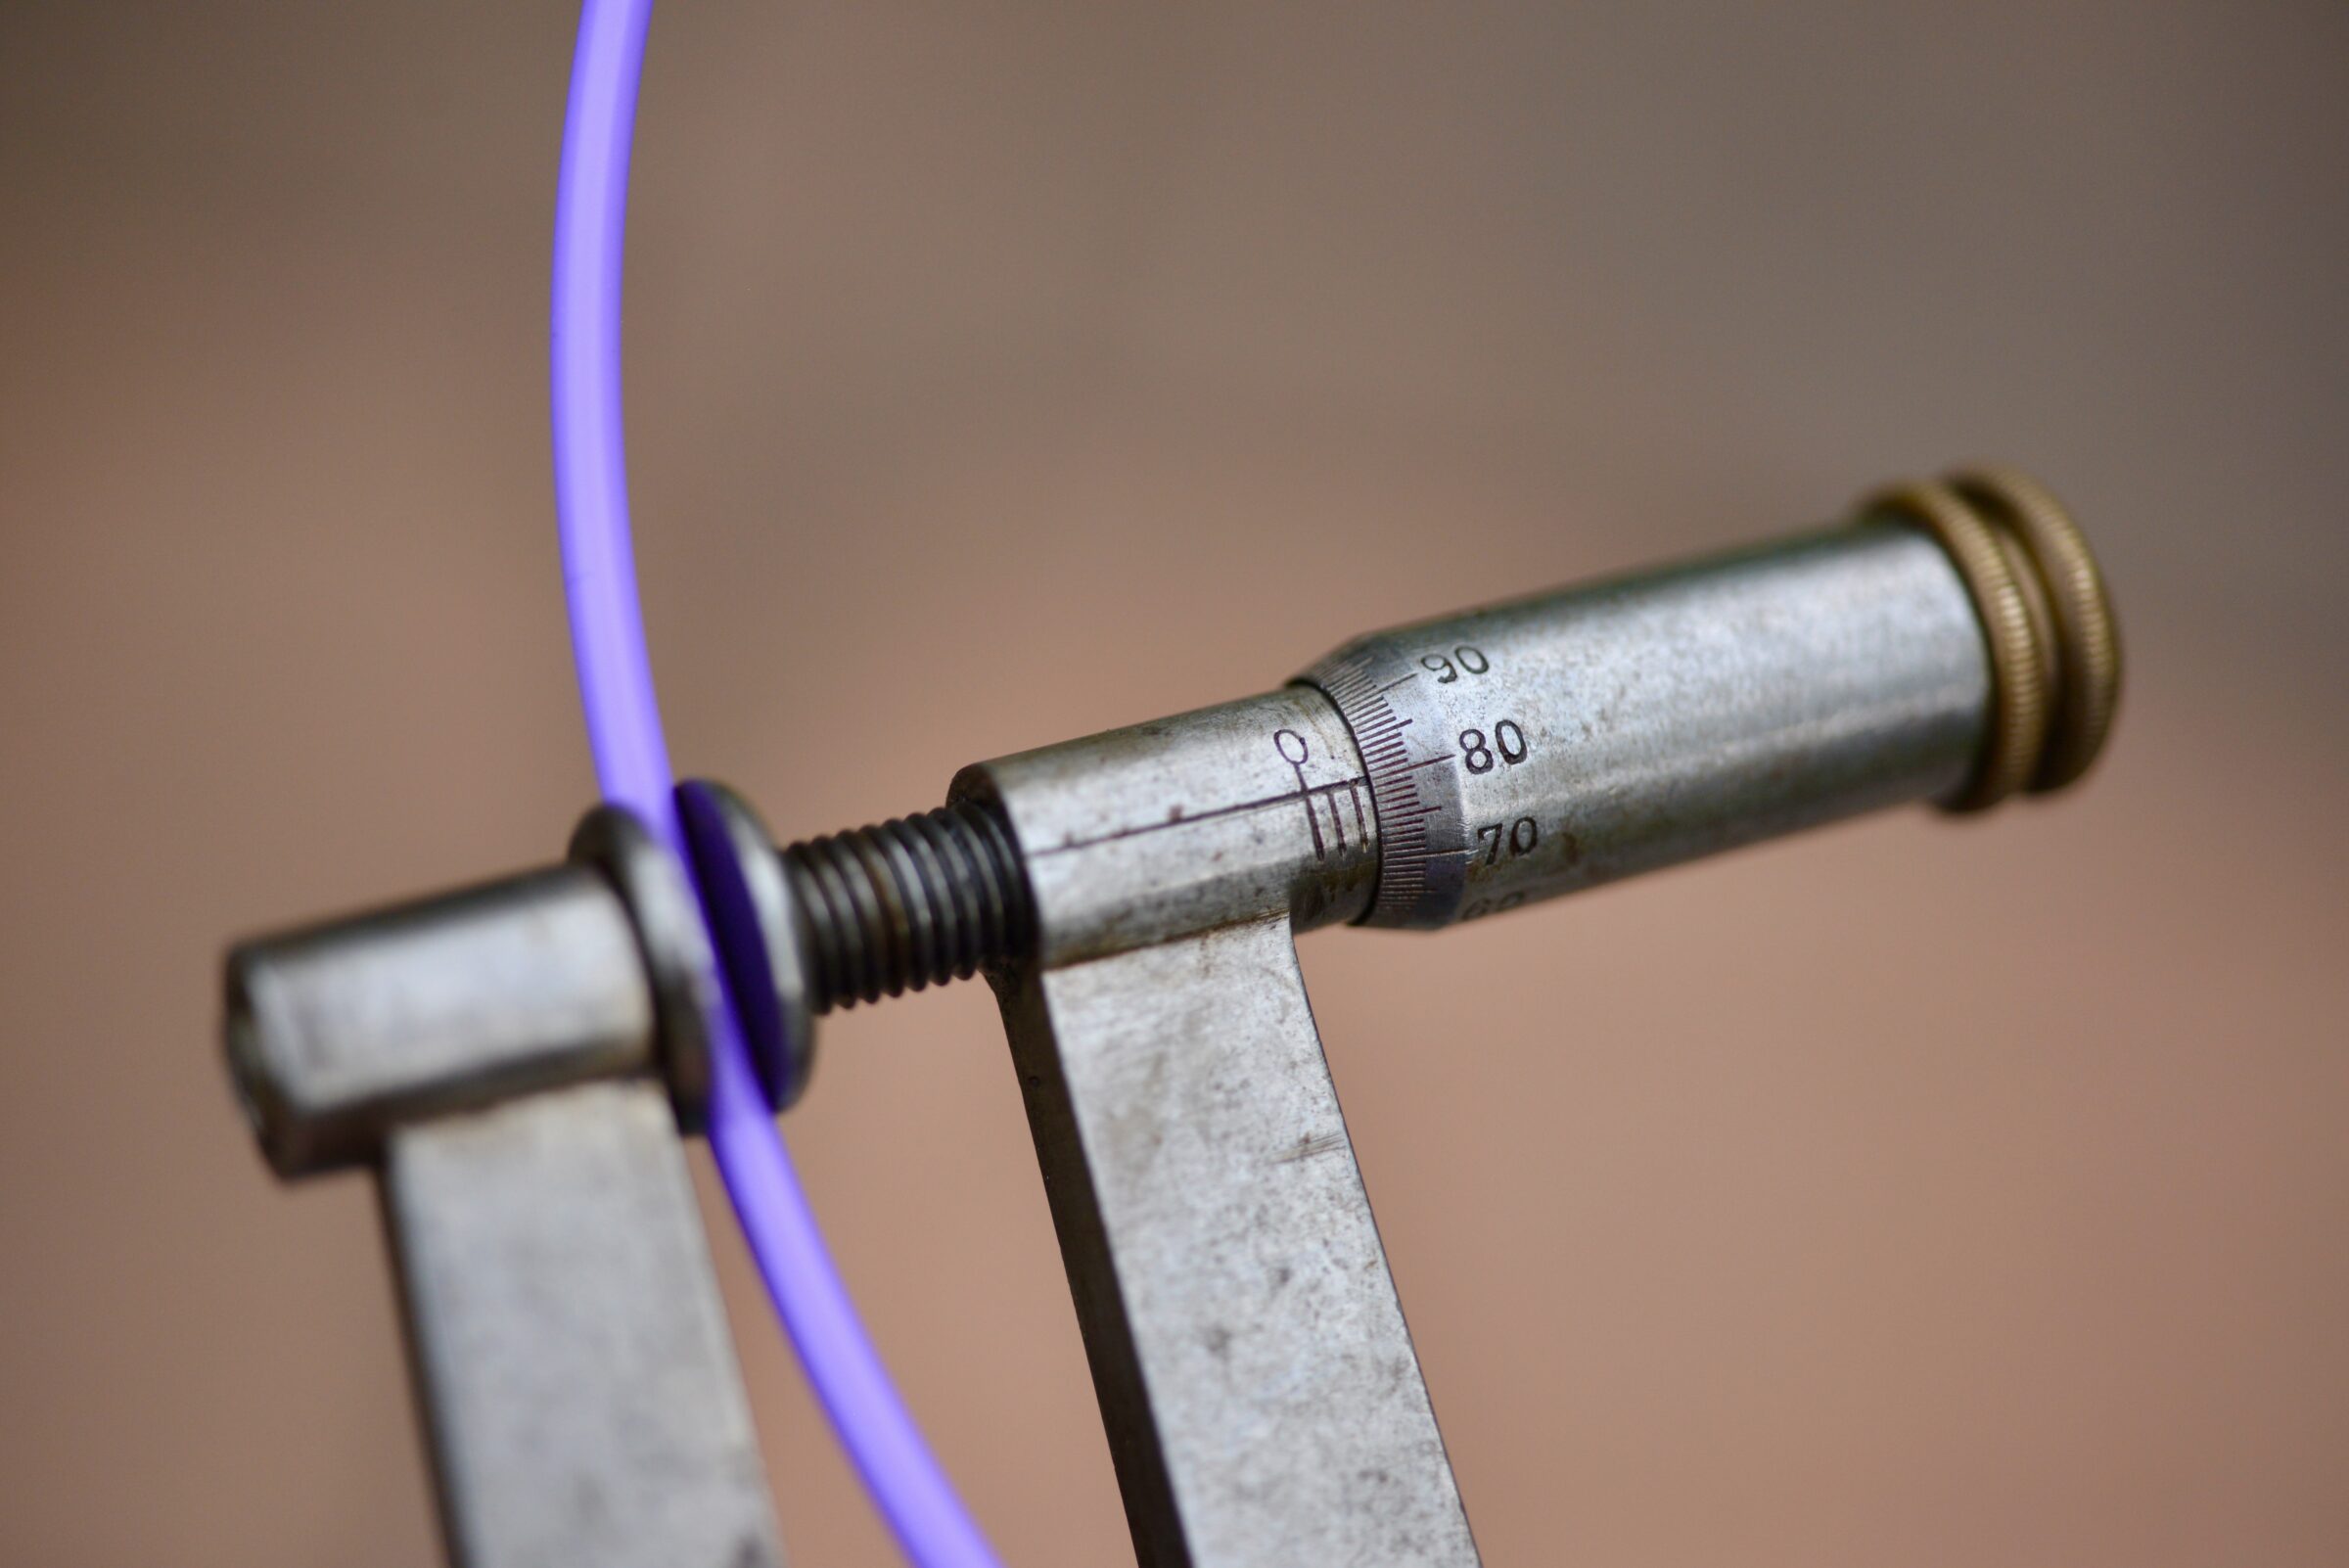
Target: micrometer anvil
{"x":502,"y":1054}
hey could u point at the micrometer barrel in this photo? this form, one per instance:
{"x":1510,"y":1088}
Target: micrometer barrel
{"x":1955,"y":643}
{"x":1548,"y":743}
{"x":1470,"y":765}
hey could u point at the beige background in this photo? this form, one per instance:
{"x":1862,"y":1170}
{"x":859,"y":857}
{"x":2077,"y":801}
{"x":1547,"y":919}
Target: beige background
{"x":1911,"y":1194}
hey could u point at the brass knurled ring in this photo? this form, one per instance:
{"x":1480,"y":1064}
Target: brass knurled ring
{"x":2088,"y":688}
{"x":2019,"y":691}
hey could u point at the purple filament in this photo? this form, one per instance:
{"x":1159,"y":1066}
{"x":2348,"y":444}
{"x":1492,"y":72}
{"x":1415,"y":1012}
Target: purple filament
{"x":632,"y":766}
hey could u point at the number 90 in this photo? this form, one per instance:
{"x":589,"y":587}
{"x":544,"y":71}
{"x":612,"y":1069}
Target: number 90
{"x":1471,"y":660}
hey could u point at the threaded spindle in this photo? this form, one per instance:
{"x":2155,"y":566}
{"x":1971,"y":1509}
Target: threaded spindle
{"x":912,"y":902}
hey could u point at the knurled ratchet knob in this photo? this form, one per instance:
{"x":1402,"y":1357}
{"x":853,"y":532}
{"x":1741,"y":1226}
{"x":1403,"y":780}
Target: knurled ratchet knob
{"x":2053,"y":642}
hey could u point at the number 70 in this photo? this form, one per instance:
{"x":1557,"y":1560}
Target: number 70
{"x":1520,"y":836}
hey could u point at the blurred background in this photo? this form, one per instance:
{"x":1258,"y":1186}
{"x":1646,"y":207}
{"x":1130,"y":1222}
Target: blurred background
{"x":1914,"y":1192}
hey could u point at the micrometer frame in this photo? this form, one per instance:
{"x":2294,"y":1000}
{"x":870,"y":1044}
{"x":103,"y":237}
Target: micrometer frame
{"x":1133,"y":896}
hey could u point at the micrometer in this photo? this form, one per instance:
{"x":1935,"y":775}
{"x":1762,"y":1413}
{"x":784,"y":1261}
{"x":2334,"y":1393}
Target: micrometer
{"x":516,"y":1059}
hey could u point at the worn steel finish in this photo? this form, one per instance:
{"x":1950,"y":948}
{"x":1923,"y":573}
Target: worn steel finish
{"x":1548,"y":743}
{"x":518,"y":1058}
{"x":673,"y":945}
{"x":1164,"y":830}
{"x":1264,"y":1404}
{"x":342,"y":1031}
{"x":1262,"y":1396}
{"x":581,"y":1393}
{"x":1261,"y":1392}
{"x":1133,"y":896}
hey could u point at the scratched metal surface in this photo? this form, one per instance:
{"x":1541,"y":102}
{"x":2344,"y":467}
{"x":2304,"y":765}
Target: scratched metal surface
{"x":1160,"y":830}
{"x":1570,"y":738}
{"x":1262,"y":1400}
{"x":1029,"y":371}
{"x":582,"y":1395}
{"x":340,"y":1029}
{"x":1264,"y":1403}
